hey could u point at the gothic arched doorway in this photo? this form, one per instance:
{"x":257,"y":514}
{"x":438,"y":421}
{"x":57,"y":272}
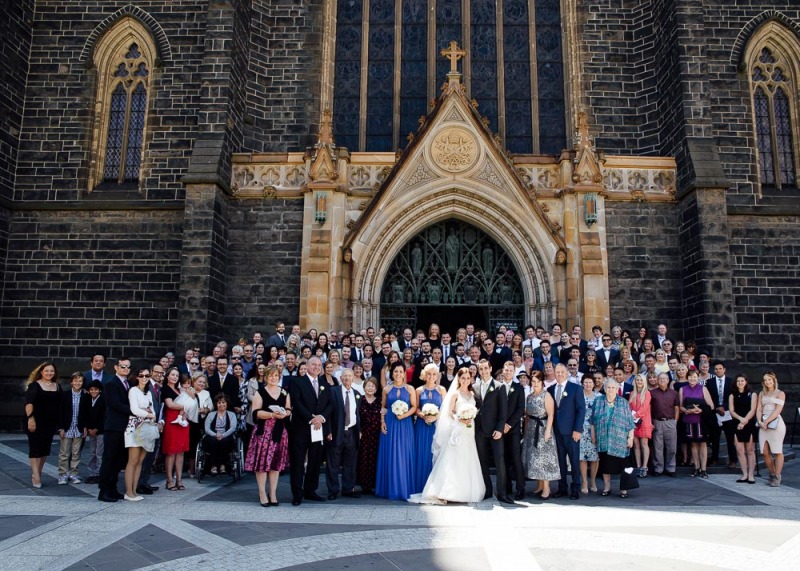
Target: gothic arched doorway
{"x":452,"y":273}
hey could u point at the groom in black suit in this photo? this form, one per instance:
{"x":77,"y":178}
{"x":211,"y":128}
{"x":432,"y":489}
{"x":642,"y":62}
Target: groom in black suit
{"x":492,"y":405}
{"x":567,"y":428}
{"x":512,"y":431}
{"x":311,"y":406}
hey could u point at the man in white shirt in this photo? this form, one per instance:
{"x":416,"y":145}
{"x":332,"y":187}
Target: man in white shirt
{"x":574,"y":375}
{"x":530,"y":338}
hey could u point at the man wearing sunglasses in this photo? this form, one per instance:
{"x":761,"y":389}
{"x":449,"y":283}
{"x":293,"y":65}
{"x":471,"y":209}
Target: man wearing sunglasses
{"x":118,"y":411}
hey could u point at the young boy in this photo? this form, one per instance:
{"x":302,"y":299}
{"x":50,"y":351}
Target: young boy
{"x":72,"y":430}
{"x":94,"y":430}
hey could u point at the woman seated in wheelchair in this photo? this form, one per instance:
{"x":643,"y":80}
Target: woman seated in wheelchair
{"x":220,"y":434}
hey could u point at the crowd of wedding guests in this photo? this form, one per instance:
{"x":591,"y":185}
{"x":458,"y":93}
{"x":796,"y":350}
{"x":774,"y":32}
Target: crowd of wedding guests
{"x":366,"y":405}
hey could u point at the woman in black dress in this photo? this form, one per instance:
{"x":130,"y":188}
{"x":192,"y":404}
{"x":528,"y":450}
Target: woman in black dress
{"x":370,"y":412}
{"x":743,"y":403}
{"x":42,"y":400}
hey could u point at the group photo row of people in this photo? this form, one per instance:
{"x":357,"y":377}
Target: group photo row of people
{"x":421,"y":416}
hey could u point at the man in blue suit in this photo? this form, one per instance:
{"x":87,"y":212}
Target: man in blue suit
{"x":545,"y":355}
{"x":570,"y":410}
{"x":97,"y":372}
{"x":341,"y":452}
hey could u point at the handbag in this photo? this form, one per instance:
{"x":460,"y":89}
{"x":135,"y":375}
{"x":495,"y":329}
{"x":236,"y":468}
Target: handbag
{"x":772,"y":425}
{"x":146,"y":434}
{"x":628,"y":479}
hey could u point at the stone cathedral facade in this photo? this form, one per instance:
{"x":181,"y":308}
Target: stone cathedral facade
{"x":184,"y":171}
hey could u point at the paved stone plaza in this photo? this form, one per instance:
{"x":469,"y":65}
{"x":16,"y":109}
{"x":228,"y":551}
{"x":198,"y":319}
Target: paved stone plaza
{"x":666,"y":524}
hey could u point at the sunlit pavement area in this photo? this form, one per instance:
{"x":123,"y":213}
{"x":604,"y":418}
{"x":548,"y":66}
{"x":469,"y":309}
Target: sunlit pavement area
{"x":680,"y":523}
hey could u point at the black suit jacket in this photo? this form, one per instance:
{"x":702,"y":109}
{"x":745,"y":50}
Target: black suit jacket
{"x":492,"y":410}
{"x":118,"y":408}
{"x":336,"y":422}
{"x":516,"y":406}
{"x":499,"y":357}
{"x":711,"y":385}
{"x":96,"y":417}
{"x":276,"y":341}
{"x":601,"y":358}
{"x":306,"y":404}
{"x":65,"y":410}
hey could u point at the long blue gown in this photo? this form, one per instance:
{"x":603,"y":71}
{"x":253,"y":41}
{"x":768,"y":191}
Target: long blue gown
{"x":423,"y":440}
{"x":395,"y":479}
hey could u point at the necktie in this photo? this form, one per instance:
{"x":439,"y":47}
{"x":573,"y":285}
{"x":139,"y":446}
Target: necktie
{"x":315,"y":384}
{"x":720,"y":389}
{"x":559,"y":392}
{"x":484,"y":387}
{"x":347,"y":409}
{"x":126,"y":385}
{"x":281,"y":336}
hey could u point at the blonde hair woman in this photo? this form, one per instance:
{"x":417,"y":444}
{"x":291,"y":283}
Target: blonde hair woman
{"x":773,"y":429}
{"x":639,"y":402}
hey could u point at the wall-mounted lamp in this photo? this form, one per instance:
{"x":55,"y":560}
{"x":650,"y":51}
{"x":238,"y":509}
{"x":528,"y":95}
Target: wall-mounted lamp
{"x":321,"y":207}
{"x":590,"y":208}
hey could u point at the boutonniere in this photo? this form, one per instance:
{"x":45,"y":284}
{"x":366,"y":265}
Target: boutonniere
{"x":283,"y":392}
{"x":321,"y":389}
{"x":564,"y":394}
{"x":511,"y":390}
{"x":358,"y":396}
{"x":491,"y":388}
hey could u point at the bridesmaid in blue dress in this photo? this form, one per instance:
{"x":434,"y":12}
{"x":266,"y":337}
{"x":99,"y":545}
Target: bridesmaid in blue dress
{"x":395,"y":479}
{"x":424,"y":427}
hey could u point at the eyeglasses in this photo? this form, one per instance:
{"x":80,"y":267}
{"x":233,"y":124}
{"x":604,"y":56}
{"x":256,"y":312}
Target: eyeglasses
{"x":124,"y":366}
{"x":157,"y":372}
{"x":194,"y":362}
{"x":572,"y":365}
{"x":143,"y":376}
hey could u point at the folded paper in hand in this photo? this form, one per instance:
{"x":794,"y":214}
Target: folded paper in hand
{"x":316,"y":434}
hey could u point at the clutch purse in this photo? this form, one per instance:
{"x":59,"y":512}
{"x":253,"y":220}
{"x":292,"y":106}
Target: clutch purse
{"x":772,"y":425}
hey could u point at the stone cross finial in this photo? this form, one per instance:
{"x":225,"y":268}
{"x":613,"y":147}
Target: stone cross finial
{"x":454,"y":53}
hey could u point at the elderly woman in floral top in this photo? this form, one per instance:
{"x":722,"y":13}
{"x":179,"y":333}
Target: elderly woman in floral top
{"x":612,"y":431}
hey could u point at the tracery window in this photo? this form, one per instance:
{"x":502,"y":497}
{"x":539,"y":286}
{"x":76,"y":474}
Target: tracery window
{"x":773,"y":76}
{"x":124,"y":59}
{"x":387,"y":68}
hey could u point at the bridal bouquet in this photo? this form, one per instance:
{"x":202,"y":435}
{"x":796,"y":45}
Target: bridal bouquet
{"x":430,"y":409}
{"x":399,"y":408}
{"x":468,"y":413}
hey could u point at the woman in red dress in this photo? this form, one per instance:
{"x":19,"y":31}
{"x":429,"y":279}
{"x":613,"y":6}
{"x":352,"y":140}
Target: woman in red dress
{"x":175,"y":439}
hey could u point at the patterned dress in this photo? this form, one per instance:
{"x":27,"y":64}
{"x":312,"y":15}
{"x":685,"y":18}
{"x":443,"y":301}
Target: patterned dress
{"x":539,"y":455}
{"x":269,"y":443}
{"x":368,"y":446}
{"x":588,"y":449}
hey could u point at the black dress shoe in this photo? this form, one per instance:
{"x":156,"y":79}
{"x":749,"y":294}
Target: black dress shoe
{"x":332,"y":497}
{"x":520,"y":495}
{"x":559,"y":494}
{"x":145,"y":491}
{"x":505,"y":500}
{"x":655,"y":474}
{"x":670,"y":474}
{"x":117,"y":495}
{"x":314,"y":497}
{"x":152,"y":488}
{"x":296,"y":501}
{"x":106,"y":498}
{"x":352,"y":494}
{"x":575,"y":496}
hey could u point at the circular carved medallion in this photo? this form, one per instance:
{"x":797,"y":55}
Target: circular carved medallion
{"x":454,"y":149}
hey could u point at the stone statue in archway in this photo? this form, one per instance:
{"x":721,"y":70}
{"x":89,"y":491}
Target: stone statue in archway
{"x":451,"y":251}
{"x":488,"y":261}
{"x":416,"y":260}
{"x":434,"y":292}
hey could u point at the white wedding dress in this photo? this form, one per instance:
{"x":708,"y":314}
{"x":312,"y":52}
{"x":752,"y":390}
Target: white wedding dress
{"x":456,"y":474}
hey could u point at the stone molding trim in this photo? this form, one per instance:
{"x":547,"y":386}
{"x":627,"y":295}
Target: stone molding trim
{"x":738,"y":52}
{"x":160,"y":37}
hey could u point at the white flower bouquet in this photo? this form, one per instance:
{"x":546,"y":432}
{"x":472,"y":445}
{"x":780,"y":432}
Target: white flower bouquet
{"x":468,"y":413}
{"x":399,"y":408}
{"x":430,"y":409}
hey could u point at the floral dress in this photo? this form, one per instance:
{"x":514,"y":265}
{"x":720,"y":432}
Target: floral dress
{"x":588,"y":449}
{"x":539,"y":455}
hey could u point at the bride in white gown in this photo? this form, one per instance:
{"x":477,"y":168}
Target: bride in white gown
{"x":456,"y":474}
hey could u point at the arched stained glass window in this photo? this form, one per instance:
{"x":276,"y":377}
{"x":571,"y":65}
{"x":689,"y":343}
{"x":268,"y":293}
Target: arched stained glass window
{"x":514,"y":69}
{"x":774,"y":90}
{"x":123,"y":58}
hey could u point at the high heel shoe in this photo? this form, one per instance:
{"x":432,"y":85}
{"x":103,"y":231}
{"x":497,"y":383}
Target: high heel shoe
{"x":605,"y":493}
{"x":36,"y":484}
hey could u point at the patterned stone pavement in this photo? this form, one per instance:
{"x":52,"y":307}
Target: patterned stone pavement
{"x":665,"y":524}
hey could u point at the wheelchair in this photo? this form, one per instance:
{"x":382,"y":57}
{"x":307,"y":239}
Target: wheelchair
{"x":235,"y":461}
